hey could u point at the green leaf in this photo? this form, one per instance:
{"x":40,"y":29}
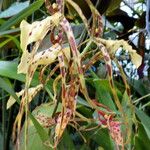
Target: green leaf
{"x":38,"y":135}
{"x":46,"y":109}
{"x":82,"y":102}
{"x":145,"y":120}
{"x":39,"y":129}
{"x":2,"y":21}
{"x":20,"y":16}
{"x":139,"y":87}
{"x":103,"y":93}
{"x":6,"y":86}
{"x":14,"y":9}
{"x":85,"y":111}
{"x":85,"y":147}
{"x":11,"y":38}
{"x":141,"y":139}
{"x":41,"y":132}
{"x":127,"y":106}
{"x":113,"y":5}
{"x":103,"y":139}
{"x":129,"y":117}
{"x":12,"y":31}
{"x":9,"y":69}
{"x":66,"y":142}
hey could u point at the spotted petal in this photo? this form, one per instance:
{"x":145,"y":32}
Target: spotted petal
{"x":31,"y":91}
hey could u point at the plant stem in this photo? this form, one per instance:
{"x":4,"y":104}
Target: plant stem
{"x":86,"y":48}
{"x":136,"y":101}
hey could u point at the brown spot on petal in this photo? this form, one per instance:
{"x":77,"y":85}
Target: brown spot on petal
{"x":63,"y":91}
{"x":65,"y":21}
{"x":109,"y":70}
{"x":106,"y":57}
{"x":31,"y":73}
{"x":80,"y":70}
{"x":43,"y":52}
{"x":73,"y":45}
{"x":63,"y":72}
{"x":128,"y":92}
{"x":61,"y":58}
{"x":30,"y":33}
